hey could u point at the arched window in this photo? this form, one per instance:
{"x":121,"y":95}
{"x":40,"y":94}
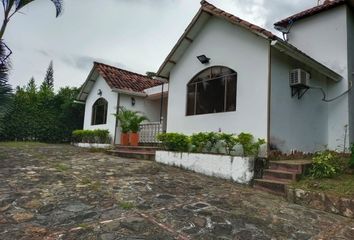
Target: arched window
{"x":99,"y":112}
{"x":212,"y":91}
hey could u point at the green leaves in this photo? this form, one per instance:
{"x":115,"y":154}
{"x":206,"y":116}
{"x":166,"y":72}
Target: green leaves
{"x":91,"y":136}
{"x":129,"y":120}
{"x":57,"y":3}
{"x":207,"y":142}
{"x":326,"y":164}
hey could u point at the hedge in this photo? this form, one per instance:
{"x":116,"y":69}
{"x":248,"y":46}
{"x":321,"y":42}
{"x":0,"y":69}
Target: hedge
{"x":91,"y":136}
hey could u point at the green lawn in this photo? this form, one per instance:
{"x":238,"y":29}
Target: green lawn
{"x":342,"y":185}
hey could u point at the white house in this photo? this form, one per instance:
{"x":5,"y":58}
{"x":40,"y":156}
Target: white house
{"x":108,"y":88}
{"x":226,"y":74}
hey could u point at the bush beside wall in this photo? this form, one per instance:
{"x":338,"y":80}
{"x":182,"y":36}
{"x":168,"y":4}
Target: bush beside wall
{"x":91,"y":136}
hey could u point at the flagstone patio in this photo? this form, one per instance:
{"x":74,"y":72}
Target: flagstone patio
{"x":62,"y":192}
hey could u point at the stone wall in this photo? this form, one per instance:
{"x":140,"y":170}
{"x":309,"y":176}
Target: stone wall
{"x":322,"y":201}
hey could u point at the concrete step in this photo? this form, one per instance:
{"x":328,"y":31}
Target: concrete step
{"x":271,"y":186}
{"x":136,"y":148}
{"x":280,"y":175}
{"x":294,"y":166}
{"x":134,"y":154}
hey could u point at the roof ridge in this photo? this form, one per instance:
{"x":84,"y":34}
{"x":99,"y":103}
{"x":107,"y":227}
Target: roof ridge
{"x":310,"y":11}
{"x":127,"y":71}
{"x":208,"y":7}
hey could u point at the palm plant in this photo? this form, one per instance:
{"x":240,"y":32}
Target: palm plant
{"x":11,"y":7}
{"x":124,"y":116}
{"x":135,"y":122}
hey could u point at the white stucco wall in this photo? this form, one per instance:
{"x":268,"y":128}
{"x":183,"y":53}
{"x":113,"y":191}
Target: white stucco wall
{"x":231,"y":46}
{"x":324,"y":37}
{"x":296,"y":124}
{"x":238,"y":169}
{"x":111,"y":98}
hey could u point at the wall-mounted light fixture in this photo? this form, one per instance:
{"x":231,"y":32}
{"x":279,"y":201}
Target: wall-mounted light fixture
{"x":99,"y":92}
{"x":133,"y":101}
{"x":203,"y":59}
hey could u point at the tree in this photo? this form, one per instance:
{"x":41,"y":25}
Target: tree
{"x":49,"y":77}
{"x":11,"y":7}
{"x":5,"y":88}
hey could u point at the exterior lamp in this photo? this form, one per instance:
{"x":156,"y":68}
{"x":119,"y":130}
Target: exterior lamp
{"x":133,"y":101}
{"x":203,"y":59}
{"x":99,"y":92}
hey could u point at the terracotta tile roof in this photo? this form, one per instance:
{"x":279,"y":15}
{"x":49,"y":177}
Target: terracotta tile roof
{"x":125,"y":80}
{"x":235,"y":20}
{"x":329,"y":4}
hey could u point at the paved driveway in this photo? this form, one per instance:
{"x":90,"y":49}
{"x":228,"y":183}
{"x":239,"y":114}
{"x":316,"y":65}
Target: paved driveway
{"x":62,"y":192}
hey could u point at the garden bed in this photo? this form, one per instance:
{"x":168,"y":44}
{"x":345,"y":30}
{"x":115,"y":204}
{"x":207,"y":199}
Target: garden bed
{"x":237,"y":169}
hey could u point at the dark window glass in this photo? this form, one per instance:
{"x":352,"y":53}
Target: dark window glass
{"x":99,"y":112}
{"x":212,"y":91}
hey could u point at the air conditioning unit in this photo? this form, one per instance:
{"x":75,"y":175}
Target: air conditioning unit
{"x":299,"y":77}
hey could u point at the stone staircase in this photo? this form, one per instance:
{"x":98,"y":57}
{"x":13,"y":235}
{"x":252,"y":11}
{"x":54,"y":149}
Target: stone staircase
{"x":280,"y":174}
{"x":134,"y":152}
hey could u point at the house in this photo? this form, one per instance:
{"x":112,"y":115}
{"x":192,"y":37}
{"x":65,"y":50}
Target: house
{"x":108,"y":88}
{"x":242,"y":84}
{"x":226,"y":74}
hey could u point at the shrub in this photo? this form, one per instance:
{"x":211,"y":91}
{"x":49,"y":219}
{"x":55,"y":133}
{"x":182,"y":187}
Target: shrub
{"x":174,"y":141}
{"x":351,"y":160}
{"x":229,"y":141}
{"x":250,"y":147}
{"x":91,"y":136}
{"x":204,"y":141}
{"x":326,"y":165}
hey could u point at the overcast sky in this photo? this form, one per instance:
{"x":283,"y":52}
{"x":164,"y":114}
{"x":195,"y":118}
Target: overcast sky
{"x":133,"y":34}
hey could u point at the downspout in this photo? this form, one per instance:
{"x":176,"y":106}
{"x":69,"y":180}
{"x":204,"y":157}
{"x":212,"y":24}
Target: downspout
{"x":116,"y":127}
{"x":269,"y":96}
{"x":161,"y":103}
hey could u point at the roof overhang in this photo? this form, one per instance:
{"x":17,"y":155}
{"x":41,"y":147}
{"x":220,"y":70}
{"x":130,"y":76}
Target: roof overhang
{"x":88,"y":85}
{"x":300,"y":56}
{"x":130,"y":93}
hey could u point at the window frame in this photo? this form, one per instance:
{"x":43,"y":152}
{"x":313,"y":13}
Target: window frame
{"x":193,"y":82}
{"x":94,"y":112}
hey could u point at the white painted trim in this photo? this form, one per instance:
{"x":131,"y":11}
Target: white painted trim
{"x":92,"y":145}
{"x":137,"y":94}
{"x":237,"y":169}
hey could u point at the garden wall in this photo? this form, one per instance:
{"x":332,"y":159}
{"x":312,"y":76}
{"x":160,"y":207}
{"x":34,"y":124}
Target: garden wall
{"x":238,"y":169}
{"x":322,"y":201}
{"x":92,"y":145}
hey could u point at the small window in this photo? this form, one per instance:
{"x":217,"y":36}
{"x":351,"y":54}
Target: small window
{"x":212,"y":91}
{"x":99,"y":112}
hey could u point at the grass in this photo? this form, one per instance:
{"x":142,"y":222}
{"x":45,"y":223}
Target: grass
{"x":126,"y":205}
{"x":62,"y":167}
{"x":342,"y":186}
{"x":22,"y":144}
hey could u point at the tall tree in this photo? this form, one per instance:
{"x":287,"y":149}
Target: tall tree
{"x":49,"y":77}
{"x":11,"y":7}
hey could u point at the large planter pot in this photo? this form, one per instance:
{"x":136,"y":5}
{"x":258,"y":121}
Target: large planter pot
{"x":134,"y":139}
{"x":124,"y":139}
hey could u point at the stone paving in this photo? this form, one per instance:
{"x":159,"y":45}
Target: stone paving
{"x":61,"y":192}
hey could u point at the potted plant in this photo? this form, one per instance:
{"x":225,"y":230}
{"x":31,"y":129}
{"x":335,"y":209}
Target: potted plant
{"x":124,"y":116}
{"x":134,"y":127}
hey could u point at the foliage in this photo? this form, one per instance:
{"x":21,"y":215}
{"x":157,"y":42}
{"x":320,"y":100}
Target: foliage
{"x":351,"y":160}
{"x":326,"y":164}
{"x":91,"y":136}
{"x":174,"y":141}
{"x":129,"y":120}
{"x":250,"y":146}
{"x":124,"y":116}
{"x":5,"y":88}
{"x":135,"y":122}
{"x":41,"y":115}
{"x":206,"y":142}
{"x":48,"y":82}
{"x":11,"y":7}
{"x":229,"y":140}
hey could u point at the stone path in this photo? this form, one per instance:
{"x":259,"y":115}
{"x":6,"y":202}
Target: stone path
{"x":61,"y":192}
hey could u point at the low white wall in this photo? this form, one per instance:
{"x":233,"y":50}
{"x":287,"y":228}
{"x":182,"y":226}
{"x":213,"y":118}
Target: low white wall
{"x":92,"y":145}
{"x":238,"y":169}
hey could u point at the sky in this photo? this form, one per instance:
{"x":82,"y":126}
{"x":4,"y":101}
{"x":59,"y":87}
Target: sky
{"x":136,"y":35}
